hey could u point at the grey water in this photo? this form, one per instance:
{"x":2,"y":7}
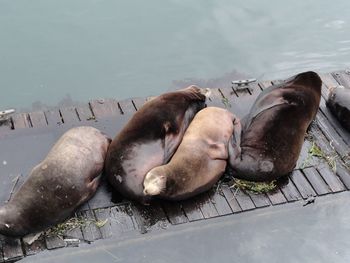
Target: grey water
{"x":76,"y":50}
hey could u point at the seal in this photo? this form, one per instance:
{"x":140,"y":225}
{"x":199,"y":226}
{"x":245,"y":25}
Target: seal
{"x":65,"y":179}
{"x":150,"y":138}
{"x":200,"y":159}
{"x":339,"y":104}
{"x":273,"y":132}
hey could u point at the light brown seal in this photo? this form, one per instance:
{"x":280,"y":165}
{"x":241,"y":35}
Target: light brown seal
{"x":200,"y":159}
{"x":339,"y":103}
{"x":66,"y":178}
{"x":274,"y":130}
{"x":150,"y":138}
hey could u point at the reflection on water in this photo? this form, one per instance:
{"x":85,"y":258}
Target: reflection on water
{"x":104,"y":48}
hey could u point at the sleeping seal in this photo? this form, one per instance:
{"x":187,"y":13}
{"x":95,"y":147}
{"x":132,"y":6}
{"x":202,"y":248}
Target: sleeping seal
{"x":66,"y":178}
{"x":274,"y":130}
{"x":150,"y":138}
{"x":200,"y":159}
{"x":339,"y":103}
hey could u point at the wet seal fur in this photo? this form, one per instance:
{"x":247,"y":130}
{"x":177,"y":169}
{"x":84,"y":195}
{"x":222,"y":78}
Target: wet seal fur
{"x":65,"y":179}
{"x":339,"y":103}
{"x":201,"y":158}
{"x":150,"y":138}
{"x":274,"y":130}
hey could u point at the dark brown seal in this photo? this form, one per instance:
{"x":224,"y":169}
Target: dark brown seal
{"x":65,"y":179}
{"x":274,"y":130}
{"x":150,"y":138}
{"x":201,"y":158}
{"x":339,"y":103}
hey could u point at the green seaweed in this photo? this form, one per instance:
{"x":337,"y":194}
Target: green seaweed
{"x":255,"y":187}
{"x":315,"y":151}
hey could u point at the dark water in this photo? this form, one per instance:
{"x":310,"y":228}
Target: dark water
{"x":103,"y":48}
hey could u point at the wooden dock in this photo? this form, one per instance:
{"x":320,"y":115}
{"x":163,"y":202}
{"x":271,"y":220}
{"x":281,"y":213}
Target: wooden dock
{"x":26,"y":138}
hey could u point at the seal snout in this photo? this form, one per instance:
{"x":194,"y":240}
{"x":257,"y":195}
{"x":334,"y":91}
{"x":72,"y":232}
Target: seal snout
{"x":153,"y":184}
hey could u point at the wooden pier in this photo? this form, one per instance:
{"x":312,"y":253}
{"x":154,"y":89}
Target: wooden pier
{"x":26,"y":138}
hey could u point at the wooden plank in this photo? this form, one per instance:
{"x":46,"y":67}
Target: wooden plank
{"x":174,"y":212}
{"x":53,"y":242}
{"x":215,"y":99}
{"x":316,"y":181}
{"x":191,"y":209}
{"x":206,"y":206}
{"x":290,"y":191}
{"x":264,"y":84}
{"x":36,"y":247}
{"x":105,"y":107}
{"x":149,"y":217}
{"x":90,"y":231}
{"x":69,"y":115}
{"x":5,"y":126}
{"x":343,"y":174}
{"x":331,"y":178}
{"x":38,"y":119}
{"x":103,"y":196}
{"x":103,"y":215}
{"x":259,"y":200}
{"x":331,"y":134}
{"x":303,"y":186}
{"x":276,"y":197}
{"x":244,"y":200}
{"x":231,"y":200}
{"x":12,"y":249}
{"x":328,"y":80}
{"x":53,"y":117}
{"x":138,"y":102}
{"x":122,"y":219}
{"x":85,"y":113}
{"x":342,"y":78}
{"x":219,"y":201}
{"x":21,"y":120}
{"x":126,"y":106}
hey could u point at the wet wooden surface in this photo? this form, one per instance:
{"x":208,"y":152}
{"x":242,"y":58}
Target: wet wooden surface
{"x":39,"y":130}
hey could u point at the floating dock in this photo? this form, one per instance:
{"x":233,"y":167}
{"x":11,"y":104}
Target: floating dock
{"x":26,"y":138}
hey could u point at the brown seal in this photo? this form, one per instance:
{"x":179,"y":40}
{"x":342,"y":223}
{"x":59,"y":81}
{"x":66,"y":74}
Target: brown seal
{"x":273,"y":132}
{"x":339,"y":103}
{"x":201,"y":158}
{"x":65,"y":179}
{"x":150,"y":138}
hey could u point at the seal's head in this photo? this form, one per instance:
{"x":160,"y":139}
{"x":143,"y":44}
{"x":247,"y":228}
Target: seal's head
{"x":155,"y":182}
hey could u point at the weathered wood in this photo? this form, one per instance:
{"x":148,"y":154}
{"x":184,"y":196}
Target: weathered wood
{"x":290,"y":191}
{"x":122,"y":219}
{"x":342,"y":78}
{"x":90,"y":231}
{"x":69,"y":115}
{"x":103,"y":215}
{"x":303,"y":186}
{"x":126,"y":106}
{"x":103,"y":196}
{"x":174,"y":212}
{"x":191,"y":209}
{"x":331,"y":178}
{"x":150,"y":217}
{"x":244,"y":200}
{"x":215,"y":99}
{"x":264,"y":84}
{"x":344,"y":174}
{"x":219,"y":201}
{"x":231,"y":200}
{"x":36,"y":247}
{"x":276,"y":197}
{"x":53,"y":242}
{"x":105,"y":107}
{"x":21,"y":120}
{"x":259,"y":199}
{"x":331,"y":134}
{"x":38,"y":119}
{"x":316,"y":181}
{"x":206,"y":206}
{"x":85,"y":113}
{"x":6,"y":126}
{"x":12,"y":249}
{"x":53,"y":117}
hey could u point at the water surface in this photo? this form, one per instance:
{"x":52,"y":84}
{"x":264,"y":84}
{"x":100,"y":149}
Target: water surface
{"x":103,"y":48}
